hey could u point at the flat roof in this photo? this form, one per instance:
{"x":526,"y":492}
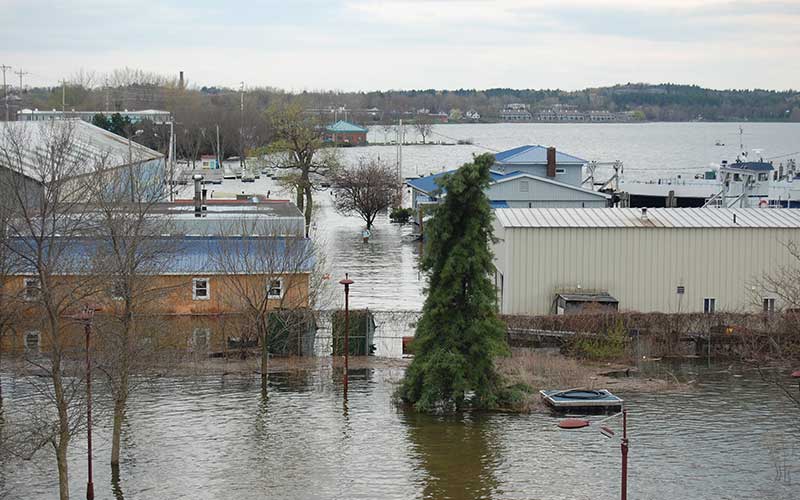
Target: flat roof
{"x":219,"y":208}
{"x":654,"y":218}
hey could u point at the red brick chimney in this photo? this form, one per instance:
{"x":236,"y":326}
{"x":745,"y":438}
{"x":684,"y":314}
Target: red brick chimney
{"x":551,"y":162}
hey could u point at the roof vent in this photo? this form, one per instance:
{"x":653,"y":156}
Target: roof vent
{"x":644,"y":213}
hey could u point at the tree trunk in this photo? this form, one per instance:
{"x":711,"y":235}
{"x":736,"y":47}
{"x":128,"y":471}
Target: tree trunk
{"x":299,"y":197}
{"x":121,"y":393}
{"x":309,"y":206}
{"x":119,"y":414}
{"x":264,"y":357}
{"x":63,"y":430}
{"x":61,"y":460}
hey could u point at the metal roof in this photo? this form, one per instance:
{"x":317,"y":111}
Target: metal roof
{"x":537,"y":155}
{"x":759,"y":166}
{"x":655,"y":218}
{"x":428,"y":184}
{"x":25,"y":145}
{"x":185,"y":255}
{"x":602,"y":297}
{"x":345,"y":127}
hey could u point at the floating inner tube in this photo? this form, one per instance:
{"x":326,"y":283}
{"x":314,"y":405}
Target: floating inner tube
{"x":581,"y":394}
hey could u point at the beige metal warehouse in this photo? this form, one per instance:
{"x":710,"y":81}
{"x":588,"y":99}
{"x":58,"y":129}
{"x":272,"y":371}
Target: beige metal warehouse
{"x":662,"y":259}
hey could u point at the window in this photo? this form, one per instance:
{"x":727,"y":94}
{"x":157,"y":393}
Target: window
{"x":201,"y":339}
{"x":709,"y":305}
{"x":31,"y":288}
{"x":32,"y":341}
{"x":763,"y":177}
{"x":200,"y":289}
{"x":275,"y":288}
{"x":560,"y":171}
{"x":769,"y":305}
{"x":523,"y":186}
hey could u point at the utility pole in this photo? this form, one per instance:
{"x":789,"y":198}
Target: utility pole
{"x":241,"y":128}
{"x":20,"y":73}
{"x":63,"y":97}
{"x":219,"y":153}
{"x":5,"y":89}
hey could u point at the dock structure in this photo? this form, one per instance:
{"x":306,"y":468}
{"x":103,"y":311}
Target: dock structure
{"x":582,"y":400}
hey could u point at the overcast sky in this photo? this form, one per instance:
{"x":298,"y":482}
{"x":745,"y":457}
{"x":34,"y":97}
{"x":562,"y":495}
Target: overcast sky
{"x":393,"y":44}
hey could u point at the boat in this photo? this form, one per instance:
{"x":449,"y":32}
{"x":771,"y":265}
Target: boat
{"x":739,"y":184}
{"x":582,"y":400}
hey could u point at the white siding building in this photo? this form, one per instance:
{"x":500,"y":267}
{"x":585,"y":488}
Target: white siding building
{"x":666,"y":260}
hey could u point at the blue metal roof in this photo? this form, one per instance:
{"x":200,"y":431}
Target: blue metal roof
{"x":186,"y":255}
{"x":428,"y":184}
{"x":343,"y":127}
{"x":534,"y":155}
{"x":498,"y":203}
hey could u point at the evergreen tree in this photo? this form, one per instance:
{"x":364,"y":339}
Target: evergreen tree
{"x":120,"y":125}
{"x":459,"y":334}
{"x":100,"y":120}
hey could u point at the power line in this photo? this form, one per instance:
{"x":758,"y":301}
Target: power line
{"x":783,"y":156}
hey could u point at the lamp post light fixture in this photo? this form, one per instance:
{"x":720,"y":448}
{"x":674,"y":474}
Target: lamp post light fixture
{"x":578,"y":423}
{"x":346,"y":282}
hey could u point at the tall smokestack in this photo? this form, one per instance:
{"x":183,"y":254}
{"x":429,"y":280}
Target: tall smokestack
{"x":551,"y":162}
{"x":198,"y":201}
{"x":180,"y":81}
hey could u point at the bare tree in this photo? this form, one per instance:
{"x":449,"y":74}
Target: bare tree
{"x":263,"y":274}
{"x":367,"y":189}
{"x":423,"y":124}
{"x":778,"y":293}
{"x":298,"y":147}
{"x":131,"y":253}
{"x":46,"y":177}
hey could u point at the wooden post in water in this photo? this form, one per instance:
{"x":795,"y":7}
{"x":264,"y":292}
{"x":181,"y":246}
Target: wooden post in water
{"x":624,"y":448}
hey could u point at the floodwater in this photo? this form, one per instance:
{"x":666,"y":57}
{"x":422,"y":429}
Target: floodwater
{"x":385,"y":270}
{"x":731,"y":437}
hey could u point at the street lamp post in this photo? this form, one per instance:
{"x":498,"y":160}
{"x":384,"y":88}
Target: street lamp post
{"x":346,"y":282}
{"x":578,"y":423}
{"x":87,"y":317}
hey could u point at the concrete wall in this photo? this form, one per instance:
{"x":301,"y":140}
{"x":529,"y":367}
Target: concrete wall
{"x":641,"y":267}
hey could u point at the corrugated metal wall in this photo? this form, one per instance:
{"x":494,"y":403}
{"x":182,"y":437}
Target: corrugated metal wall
{"x":542,"y":194}
{"x":641,"y":267}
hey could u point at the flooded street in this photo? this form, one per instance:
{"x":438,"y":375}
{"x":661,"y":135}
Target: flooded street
{"x":215,"y":437}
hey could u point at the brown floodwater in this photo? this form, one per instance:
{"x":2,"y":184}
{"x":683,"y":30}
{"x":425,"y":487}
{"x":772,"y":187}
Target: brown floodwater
{"x":210,"y":437}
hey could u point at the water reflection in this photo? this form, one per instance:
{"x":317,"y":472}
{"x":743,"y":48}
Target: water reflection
{"x":455,"y":454}
{"x":116,"y":486}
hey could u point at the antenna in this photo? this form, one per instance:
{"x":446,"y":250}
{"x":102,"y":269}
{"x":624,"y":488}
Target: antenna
{"x":741,"y":142}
